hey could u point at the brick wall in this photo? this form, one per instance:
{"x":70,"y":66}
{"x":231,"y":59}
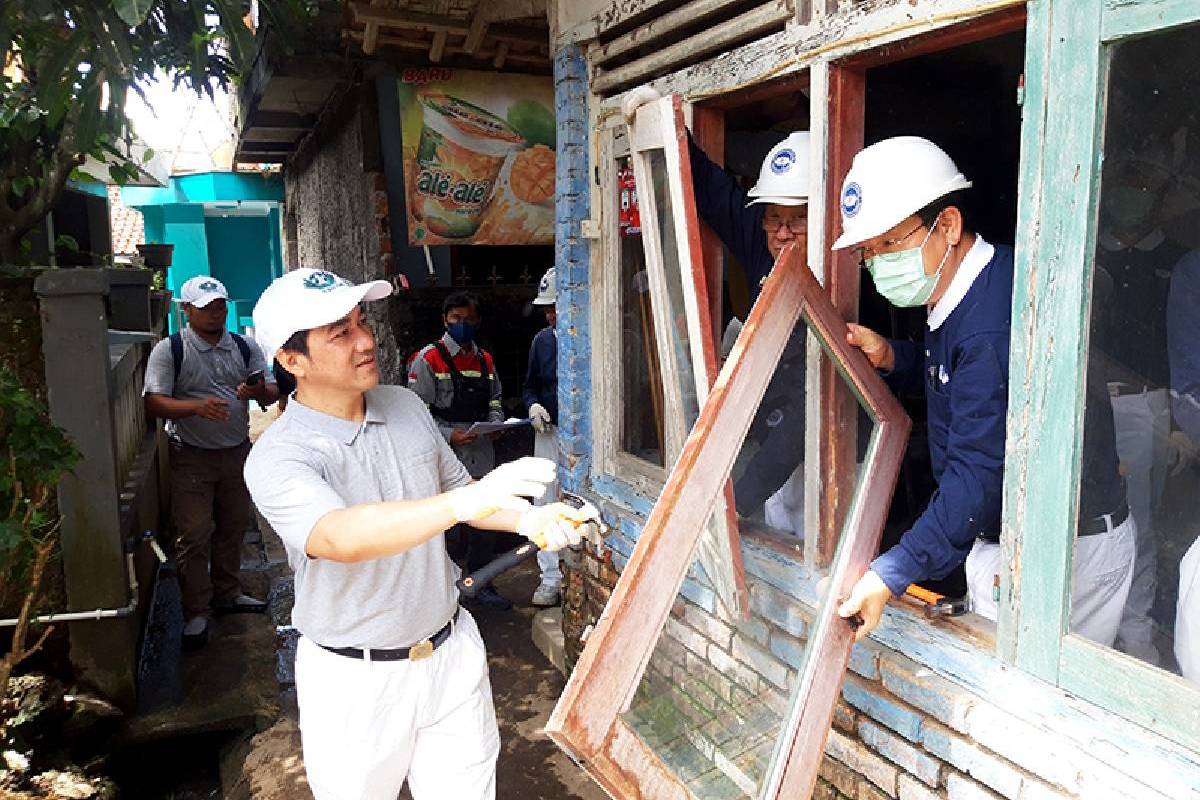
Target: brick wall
{"x":900,"y":731}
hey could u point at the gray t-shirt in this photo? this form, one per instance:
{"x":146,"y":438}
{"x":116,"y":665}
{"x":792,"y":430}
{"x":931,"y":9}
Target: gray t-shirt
{"x":309,"y":463}
{"x":207,"y":371}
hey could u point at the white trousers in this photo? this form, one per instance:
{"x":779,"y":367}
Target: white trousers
{"x":367,"y":726}
{"x":1187,"y":615}
{"x":784,"y":510}
{"x":1143,"y":425}
{"x":1102,"y":570}
{"x":545,"y":445}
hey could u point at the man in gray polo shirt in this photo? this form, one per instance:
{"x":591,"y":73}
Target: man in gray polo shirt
{"x":391,"y":675}
{"x":200,"y":381}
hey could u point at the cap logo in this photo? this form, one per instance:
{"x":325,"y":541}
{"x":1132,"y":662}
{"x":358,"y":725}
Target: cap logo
{"x":782,"y":161}
{"x":209,"y":286}
{"x":323,"y":281}
{"x":851,"y":199}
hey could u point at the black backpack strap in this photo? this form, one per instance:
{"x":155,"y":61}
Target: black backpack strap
{"x":243,"y":347}
{"x":176,"y":352}
{"x":455,"y":375}
{"x":484,"y":372}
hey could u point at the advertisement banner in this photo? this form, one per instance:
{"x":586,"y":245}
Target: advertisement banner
{"x":478,"y":156}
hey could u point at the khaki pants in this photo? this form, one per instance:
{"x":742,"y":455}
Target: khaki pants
{"x":210,"y":508}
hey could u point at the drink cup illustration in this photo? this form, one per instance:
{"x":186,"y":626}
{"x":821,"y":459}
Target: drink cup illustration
{"x":461,"y":152}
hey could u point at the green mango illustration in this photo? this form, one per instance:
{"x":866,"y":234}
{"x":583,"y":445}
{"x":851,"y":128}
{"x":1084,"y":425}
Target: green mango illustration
{"x":534,"y":121}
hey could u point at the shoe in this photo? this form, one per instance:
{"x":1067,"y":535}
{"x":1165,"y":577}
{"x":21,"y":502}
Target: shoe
{"x":546,"y":596}
{"x":242,"y":604}
{"x":488,"y":597}
{"x":195,"y":633}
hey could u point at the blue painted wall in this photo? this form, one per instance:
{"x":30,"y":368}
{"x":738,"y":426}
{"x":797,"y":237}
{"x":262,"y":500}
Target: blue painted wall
{"x":244,"y":253}
{"x":571,"y":257}
{"x":241,"y":254}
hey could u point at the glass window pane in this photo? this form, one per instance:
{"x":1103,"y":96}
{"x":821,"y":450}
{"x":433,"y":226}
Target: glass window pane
{"x":641,"y":422}
{"x":1138,"y":516}
{"x":680,"y":341}
{"x":716,"y":694}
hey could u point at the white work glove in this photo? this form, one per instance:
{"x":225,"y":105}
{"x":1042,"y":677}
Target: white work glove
{"x":1181,"y":452}
{"x":554,"y":526}
{"x":635,"y":99}
{"x":540,"y":417}
{"x":505,"y":487}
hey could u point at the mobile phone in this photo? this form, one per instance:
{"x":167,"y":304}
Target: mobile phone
{"x":254,"y":377}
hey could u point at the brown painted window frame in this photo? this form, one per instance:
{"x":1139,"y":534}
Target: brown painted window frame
{"x":586,"y":722}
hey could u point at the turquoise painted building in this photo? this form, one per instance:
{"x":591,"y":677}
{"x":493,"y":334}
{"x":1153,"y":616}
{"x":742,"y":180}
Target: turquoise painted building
{"x":222,"y":224}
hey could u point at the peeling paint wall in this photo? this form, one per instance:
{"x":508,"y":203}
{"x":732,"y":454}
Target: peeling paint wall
{"x":926,"y":711}
{"x":336,"y":198}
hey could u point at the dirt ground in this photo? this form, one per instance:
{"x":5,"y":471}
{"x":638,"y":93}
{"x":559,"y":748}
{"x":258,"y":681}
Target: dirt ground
{"x":525,"y":686}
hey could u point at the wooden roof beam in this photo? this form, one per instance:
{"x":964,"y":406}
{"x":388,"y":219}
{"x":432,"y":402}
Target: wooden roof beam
{"x":438,"y":48}
{"x":478,"y":29}
{"x":501,"y":55}
{"x":540,"y":59}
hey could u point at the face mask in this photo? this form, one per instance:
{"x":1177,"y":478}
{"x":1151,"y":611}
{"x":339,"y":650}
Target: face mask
{"x":1129,"y":207}
{"x":462,"y":332}
{"x":900,"y":277}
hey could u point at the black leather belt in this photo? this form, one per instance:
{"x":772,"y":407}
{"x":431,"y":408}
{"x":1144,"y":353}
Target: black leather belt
{"x":1093,"y":527}
{"x":418,"y":652}
{"x":1105,"y":522}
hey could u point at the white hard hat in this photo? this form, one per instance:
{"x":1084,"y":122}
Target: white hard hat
{"x":201,"y":290}
{"x":546,"y":289}
{"x":783,"y":177}
{"x":304,"y":299}
{"x":892,"y":180}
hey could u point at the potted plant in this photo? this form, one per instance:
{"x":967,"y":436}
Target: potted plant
{"x":156,"y":255}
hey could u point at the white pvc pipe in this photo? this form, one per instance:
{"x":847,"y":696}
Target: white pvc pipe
{"x":99,"y":613}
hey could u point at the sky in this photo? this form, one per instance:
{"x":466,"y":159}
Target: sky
{"x":190,"y":132}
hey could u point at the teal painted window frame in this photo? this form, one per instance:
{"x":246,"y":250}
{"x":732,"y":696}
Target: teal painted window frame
{"x":1067,"y":52}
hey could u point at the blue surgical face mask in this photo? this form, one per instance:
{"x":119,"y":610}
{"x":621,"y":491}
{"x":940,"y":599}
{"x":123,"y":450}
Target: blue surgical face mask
{"x":900,"y":277}
{"x":462,"y":332}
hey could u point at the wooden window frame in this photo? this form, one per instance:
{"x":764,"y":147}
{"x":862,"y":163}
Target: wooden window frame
{"x":659,"y":126}
{"x":1066,"y":70}
{"x":586,"y":721}
{"x":639,"y":474}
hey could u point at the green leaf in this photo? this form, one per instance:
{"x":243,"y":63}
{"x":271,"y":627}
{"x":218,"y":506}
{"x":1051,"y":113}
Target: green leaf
{"x":133,"y":12}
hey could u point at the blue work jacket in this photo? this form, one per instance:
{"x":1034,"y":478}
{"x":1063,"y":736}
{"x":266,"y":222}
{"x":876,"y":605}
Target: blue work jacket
{"x":721,"y":203}
{"x":1183,"y":332}
{"x":963,"y":371}
{"x":541,"y":378}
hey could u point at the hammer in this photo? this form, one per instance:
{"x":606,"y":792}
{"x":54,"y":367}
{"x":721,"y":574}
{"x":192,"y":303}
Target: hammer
{"x":470,"y":585}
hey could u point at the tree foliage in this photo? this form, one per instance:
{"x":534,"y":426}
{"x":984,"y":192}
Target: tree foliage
{"x":34,"y":456}
{"x":67,"y":67}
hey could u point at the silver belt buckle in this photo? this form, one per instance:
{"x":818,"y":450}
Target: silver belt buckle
{"x":421,"y":651}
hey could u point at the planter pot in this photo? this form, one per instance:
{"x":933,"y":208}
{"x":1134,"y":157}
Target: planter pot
{"x":157,"y":256}
{"x":160,"y":304}
{"x":129,"y":299}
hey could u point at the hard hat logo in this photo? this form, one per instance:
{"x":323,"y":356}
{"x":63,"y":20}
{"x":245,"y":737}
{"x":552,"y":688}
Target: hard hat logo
{"x":783,"y":161}
{"x":783,"y":176}
{"x":851,"y":199}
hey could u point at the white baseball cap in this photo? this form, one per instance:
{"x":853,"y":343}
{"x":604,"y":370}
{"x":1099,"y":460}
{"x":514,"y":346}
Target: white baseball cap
{"x":201,"y":290}
{"x":304,"y":299}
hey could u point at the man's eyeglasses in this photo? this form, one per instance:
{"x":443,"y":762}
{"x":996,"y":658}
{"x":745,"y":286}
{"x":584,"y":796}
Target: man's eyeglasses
{"x":867,"y":252}
{"x":798,"y":226}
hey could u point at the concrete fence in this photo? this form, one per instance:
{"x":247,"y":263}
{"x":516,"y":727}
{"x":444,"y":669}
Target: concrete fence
{"x":94,"y":386}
